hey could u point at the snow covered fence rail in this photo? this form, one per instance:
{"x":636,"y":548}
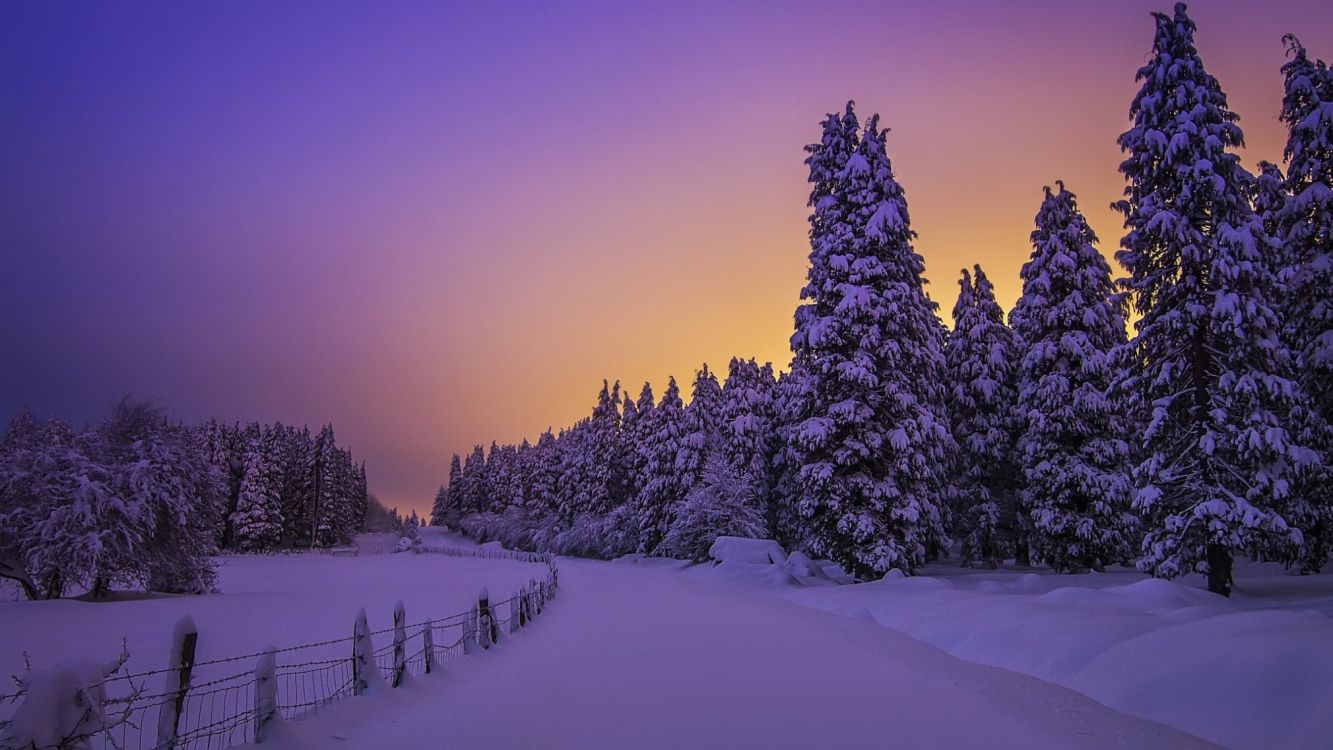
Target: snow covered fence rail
{"x":224,"y":702}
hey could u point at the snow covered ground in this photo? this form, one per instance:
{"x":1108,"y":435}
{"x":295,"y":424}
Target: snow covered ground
{"x":1253,"y":671}
{"x":264,"y":600}
{"x":652,"y":653}
{"x":640,"y":656}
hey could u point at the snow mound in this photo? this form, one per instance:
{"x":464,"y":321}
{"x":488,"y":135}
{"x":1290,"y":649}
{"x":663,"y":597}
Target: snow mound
{"x":1155,"y":594}
{"x":1029,"y":582}
{"x":801,"y":566}
{"x":734,"y":549}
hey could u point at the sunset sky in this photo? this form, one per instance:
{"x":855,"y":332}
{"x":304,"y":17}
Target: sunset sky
{"x":436,"y":225}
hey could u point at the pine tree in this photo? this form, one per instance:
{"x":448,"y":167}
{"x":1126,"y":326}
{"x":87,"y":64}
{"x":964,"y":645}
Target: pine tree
{"x":749,"y":431}
{"x":440,"y":507}
{"x":1304,"y":226}
{"x":451,"y":509}
{"x":636,"y":425}
{"x":1209,"y":377}
{"x":472,"y":487}
{"x":1305,"y":222}
{"x":297,"y":491}
{"x":663,"y":486}
{"x":983,"y":384}
{"x":1073,"y":451}
{"x":873,"y":442}
{"x":326,"y":490}
{"x":702,"y":434}
{"x":257,"y":521}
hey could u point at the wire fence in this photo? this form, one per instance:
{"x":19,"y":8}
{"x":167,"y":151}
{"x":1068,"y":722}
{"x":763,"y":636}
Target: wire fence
{"x":232,"y":700}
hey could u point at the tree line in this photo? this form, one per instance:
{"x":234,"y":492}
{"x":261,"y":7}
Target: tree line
{"x":138,"y":500}
{"x":1052,"y":436}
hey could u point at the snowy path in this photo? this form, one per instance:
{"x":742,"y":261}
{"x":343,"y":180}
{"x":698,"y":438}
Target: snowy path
{"x":633,"y":657}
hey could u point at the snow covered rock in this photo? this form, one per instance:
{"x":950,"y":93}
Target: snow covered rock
{"x":732,"y":549}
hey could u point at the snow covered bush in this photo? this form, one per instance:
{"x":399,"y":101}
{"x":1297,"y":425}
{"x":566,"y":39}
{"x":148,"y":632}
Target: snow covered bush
{"x":131,"y":501}
{"x":63,"y":707}
{"x":722,"y":504}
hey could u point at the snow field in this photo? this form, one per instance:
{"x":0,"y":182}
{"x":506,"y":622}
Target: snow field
{"x":279,"y":600}
{"x":1253,"y":671}
{"x":640,"y":656}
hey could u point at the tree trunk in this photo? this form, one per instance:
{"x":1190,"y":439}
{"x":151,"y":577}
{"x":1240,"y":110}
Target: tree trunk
{"x":14,"y":570}
{"x":1219,"y":569}
{"x":55,"y":585}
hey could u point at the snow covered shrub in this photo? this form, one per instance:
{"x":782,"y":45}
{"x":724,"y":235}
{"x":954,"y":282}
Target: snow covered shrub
{"x":582,"y":539}
{"x":480,"y":526}
{"x":620,"y":532}
{"x":132,"y":501}
{"x":722,"y":504}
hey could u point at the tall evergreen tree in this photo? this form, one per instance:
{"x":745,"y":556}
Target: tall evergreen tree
{"x":440,"y":507}
{"x":451,"y":510}
{"x":872,"y":440}
{"x":257,"y":521}
{"x":702,"y":433}
{"x":636,"y":425}
{"x":663,"y":486}
{"x":1072,"y":450}
{"x":982,"y":379}
{"x":472,"y":486}
{"x":1304,"y":226}
{"x":1209,"y":379}
{"x":749,"y":432}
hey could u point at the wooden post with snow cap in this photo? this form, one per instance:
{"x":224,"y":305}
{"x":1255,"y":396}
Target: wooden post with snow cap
{"x":469,"y":631}
{"x":485,"y":618}
{"x":513,"y":611}
{"x":184,"y":638}
{"x":428,"y":646}
{"x":399,"y":644}
{"x":362,"y":649}
{"x":266,"y":694}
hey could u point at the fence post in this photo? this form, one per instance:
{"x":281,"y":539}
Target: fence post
{"x":428,"y":646}
{"x":266,"y":693}
{"x":522,"y":607}
{"x":183,"y":640}
{"x":399,"y":644}
{"x":485,"y":619}
{"x":513,"y":612}
{"x":469,"y":631}
{"x":362,"y":651}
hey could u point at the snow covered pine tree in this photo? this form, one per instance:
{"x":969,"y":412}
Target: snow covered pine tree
{"x":1210,"y":379}
{"x":982,"y":379}
{"x":1304,"y":225}
{"x":1073,"y":456}
{"x":873,"y":442}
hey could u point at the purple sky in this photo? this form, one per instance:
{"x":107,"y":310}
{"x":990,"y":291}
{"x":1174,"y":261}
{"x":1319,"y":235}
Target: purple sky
{"x":436,"y":225}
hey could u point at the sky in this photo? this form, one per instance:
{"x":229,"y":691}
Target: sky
{"x":438,"y":224}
